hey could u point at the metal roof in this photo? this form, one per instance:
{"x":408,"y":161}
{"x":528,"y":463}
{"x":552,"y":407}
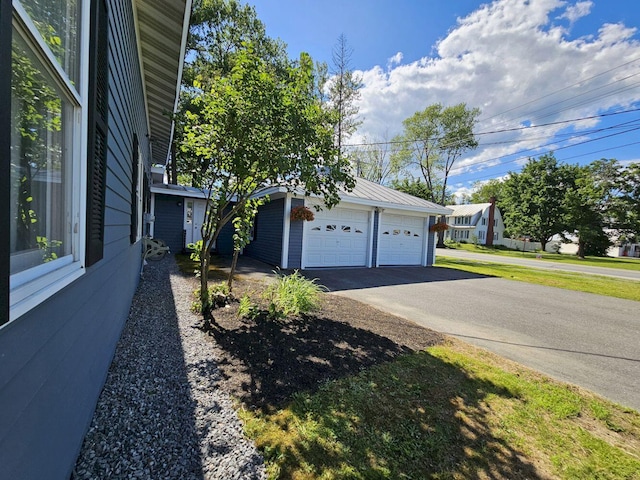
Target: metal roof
{"x":467,"y":210}
{"x":162,"y":28}
{"x":178,"y":190}
{"x":374,"y":194}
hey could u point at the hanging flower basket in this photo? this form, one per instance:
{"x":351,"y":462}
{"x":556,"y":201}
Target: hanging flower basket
{"x":439,"y":227}
{"x":301,"y":213}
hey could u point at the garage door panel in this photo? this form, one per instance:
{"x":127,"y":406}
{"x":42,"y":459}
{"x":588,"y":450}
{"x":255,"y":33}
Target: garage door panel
{"x":337,"y":237}
{"x":401,"y":240}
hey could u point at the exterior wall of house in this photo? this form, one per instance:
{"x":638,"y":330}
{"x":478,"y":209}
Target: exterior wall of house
{"x":267,"y":244}
{"x":169,"y":222}
{"x":296,"y":230}
{"x":56,"y":356}
{"x":479,"y":230}
{"x":224,"y":243}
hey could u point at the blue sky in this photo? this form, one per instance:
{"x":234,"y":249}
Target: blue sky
{"x":540,"y":63}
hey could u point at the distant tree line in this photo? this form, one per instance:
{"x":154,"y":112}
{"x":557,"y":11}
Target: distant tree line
{"x":589,"y":202}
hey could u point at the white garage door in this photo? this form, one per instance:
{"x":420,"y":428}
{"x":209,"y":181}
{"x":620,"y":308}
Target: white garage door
{"x":337,"y":238}
{"x":401,"y":240}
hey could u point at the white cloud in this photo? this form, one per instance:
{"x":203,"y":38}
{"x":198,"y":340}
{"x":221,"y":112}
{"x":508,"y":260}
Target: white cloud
{"x":512,"y":61}
{"x":577,"y":11}
{"x":395,"y":60}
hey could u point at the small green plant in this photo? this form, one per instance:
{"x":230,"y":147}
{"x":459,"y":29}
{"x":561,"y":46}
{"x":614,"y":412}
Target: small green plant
{"x":292,"y":295}
{"x":219,"y":296}
{"x":247,"y":309}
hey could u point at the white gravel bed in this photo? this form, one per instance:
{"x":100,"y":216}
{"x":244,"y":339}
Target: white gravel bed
{"x":162,"y":414}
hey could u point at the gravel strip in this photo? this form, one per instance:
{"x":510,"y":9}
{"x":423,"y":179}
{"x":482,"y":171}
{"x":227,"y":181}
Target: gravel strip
{"x":162,"y":413}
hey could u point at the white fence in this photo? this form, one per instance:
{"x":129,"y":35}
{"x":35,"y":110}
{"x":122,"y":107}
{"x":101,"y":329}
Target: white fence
{"x":520,"y":245}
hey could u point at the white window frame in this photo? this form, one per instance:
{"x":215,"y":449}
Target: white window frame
{"x":29,"y":288}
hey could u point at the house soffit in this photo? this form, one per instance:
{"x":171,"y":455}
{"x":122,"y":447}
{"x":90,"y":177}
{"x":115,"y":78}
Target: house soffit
{"x":161,"y":37}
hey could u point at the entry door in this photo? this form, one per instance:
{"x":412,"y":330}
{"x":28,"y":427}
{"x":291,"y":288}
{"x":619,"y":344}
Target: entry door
{"x":193,"y":217}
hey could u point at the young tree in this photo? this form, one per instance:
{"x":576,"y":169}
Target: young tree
{"x":344,"y":93}
{"x":433,"y":140}
{"x":373,"y":160}
{"x":254,"y":127}
{"x":242,"y":225}
{"x":535,"y":199}
{"x":219,"y":29}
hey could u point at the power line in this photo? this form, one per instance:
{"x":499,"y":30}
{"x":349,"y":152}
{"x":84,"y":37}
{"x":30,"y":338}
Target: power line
{"x":569,"y":87}
{"x":493,"y":175}
{"x":506,"y":130}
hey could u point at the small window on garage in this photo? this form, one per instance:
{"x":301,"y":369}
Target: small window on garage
{"x":330,"y":228}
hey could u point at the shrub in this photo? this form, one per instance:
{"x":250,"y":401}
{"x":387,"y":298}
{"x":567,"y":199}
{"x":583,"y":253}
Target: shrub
{"x":292,"y":295}
{"x":219,"y":296}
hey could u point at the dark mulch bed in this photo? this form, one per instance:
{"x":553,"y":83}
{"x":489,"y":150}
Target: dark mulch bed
{"x":264,"y":362}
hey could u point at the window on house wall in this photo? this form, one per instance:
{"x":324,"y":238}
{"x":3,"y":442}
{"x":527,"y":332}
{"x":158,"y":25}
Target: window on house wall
{"x":481,"y":235}
{"x":484,"y":221}
{"x":46,"y":232}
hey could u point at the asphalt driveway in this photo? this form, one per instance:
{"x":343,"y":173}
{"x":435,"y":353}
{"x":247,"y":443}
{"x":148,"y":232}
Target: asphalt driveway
{"x":585,"y":339}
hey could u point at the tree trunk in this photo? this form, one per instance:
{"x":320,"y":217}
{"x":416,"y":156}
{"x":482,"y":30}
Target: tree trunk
{"x":580,"y":252}
{"x":205,"y":260}
{"x":232,"y":272}
{"x":440,"y":243}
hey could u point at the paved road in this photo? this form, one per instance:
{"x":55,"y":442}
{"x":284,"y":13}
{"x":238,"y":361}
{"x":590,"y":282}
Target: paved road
{"x":585,"y":339}
{"x":546,"y":264}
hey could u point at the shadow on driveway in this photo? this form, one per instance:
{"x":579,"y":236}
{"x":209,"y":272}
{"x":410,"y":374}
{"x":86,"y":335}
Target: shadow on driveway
{"x":358,"y":278}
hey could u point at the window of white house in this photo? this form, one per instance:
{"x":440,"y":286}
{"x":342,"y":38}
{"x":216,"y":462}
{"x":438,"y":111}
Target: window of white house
{"x":46,"y":135}
{"x":484,"y":221}
{"x":481,"y":235}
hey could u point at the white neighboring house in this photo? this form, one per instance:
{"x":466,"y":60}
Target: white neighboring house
{"x":477,"y":220}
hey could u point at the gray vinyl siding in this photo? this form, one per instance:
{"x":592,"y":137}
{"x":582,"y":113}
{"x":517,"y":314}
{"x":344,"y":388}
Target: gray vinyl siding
{"x":55,"y":357}
{"x":169,"y":222}
{"x":431,"y":243}
{"x":224,"y":244}
{"x":267,"y":246}
{"x":296,"y":230}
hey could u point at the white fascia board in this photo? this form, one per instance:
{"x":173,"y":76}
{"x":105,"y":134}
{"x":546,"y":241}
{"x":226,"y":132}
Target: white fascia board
{"x":183,"y":48}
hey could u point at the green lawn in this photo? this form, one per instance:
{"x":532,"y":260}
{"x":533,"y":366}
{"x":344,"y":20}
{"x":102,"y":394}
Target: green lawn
{"x":623,"y":263}
{"x":613,"y":287}
{"x":450,"y":412}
